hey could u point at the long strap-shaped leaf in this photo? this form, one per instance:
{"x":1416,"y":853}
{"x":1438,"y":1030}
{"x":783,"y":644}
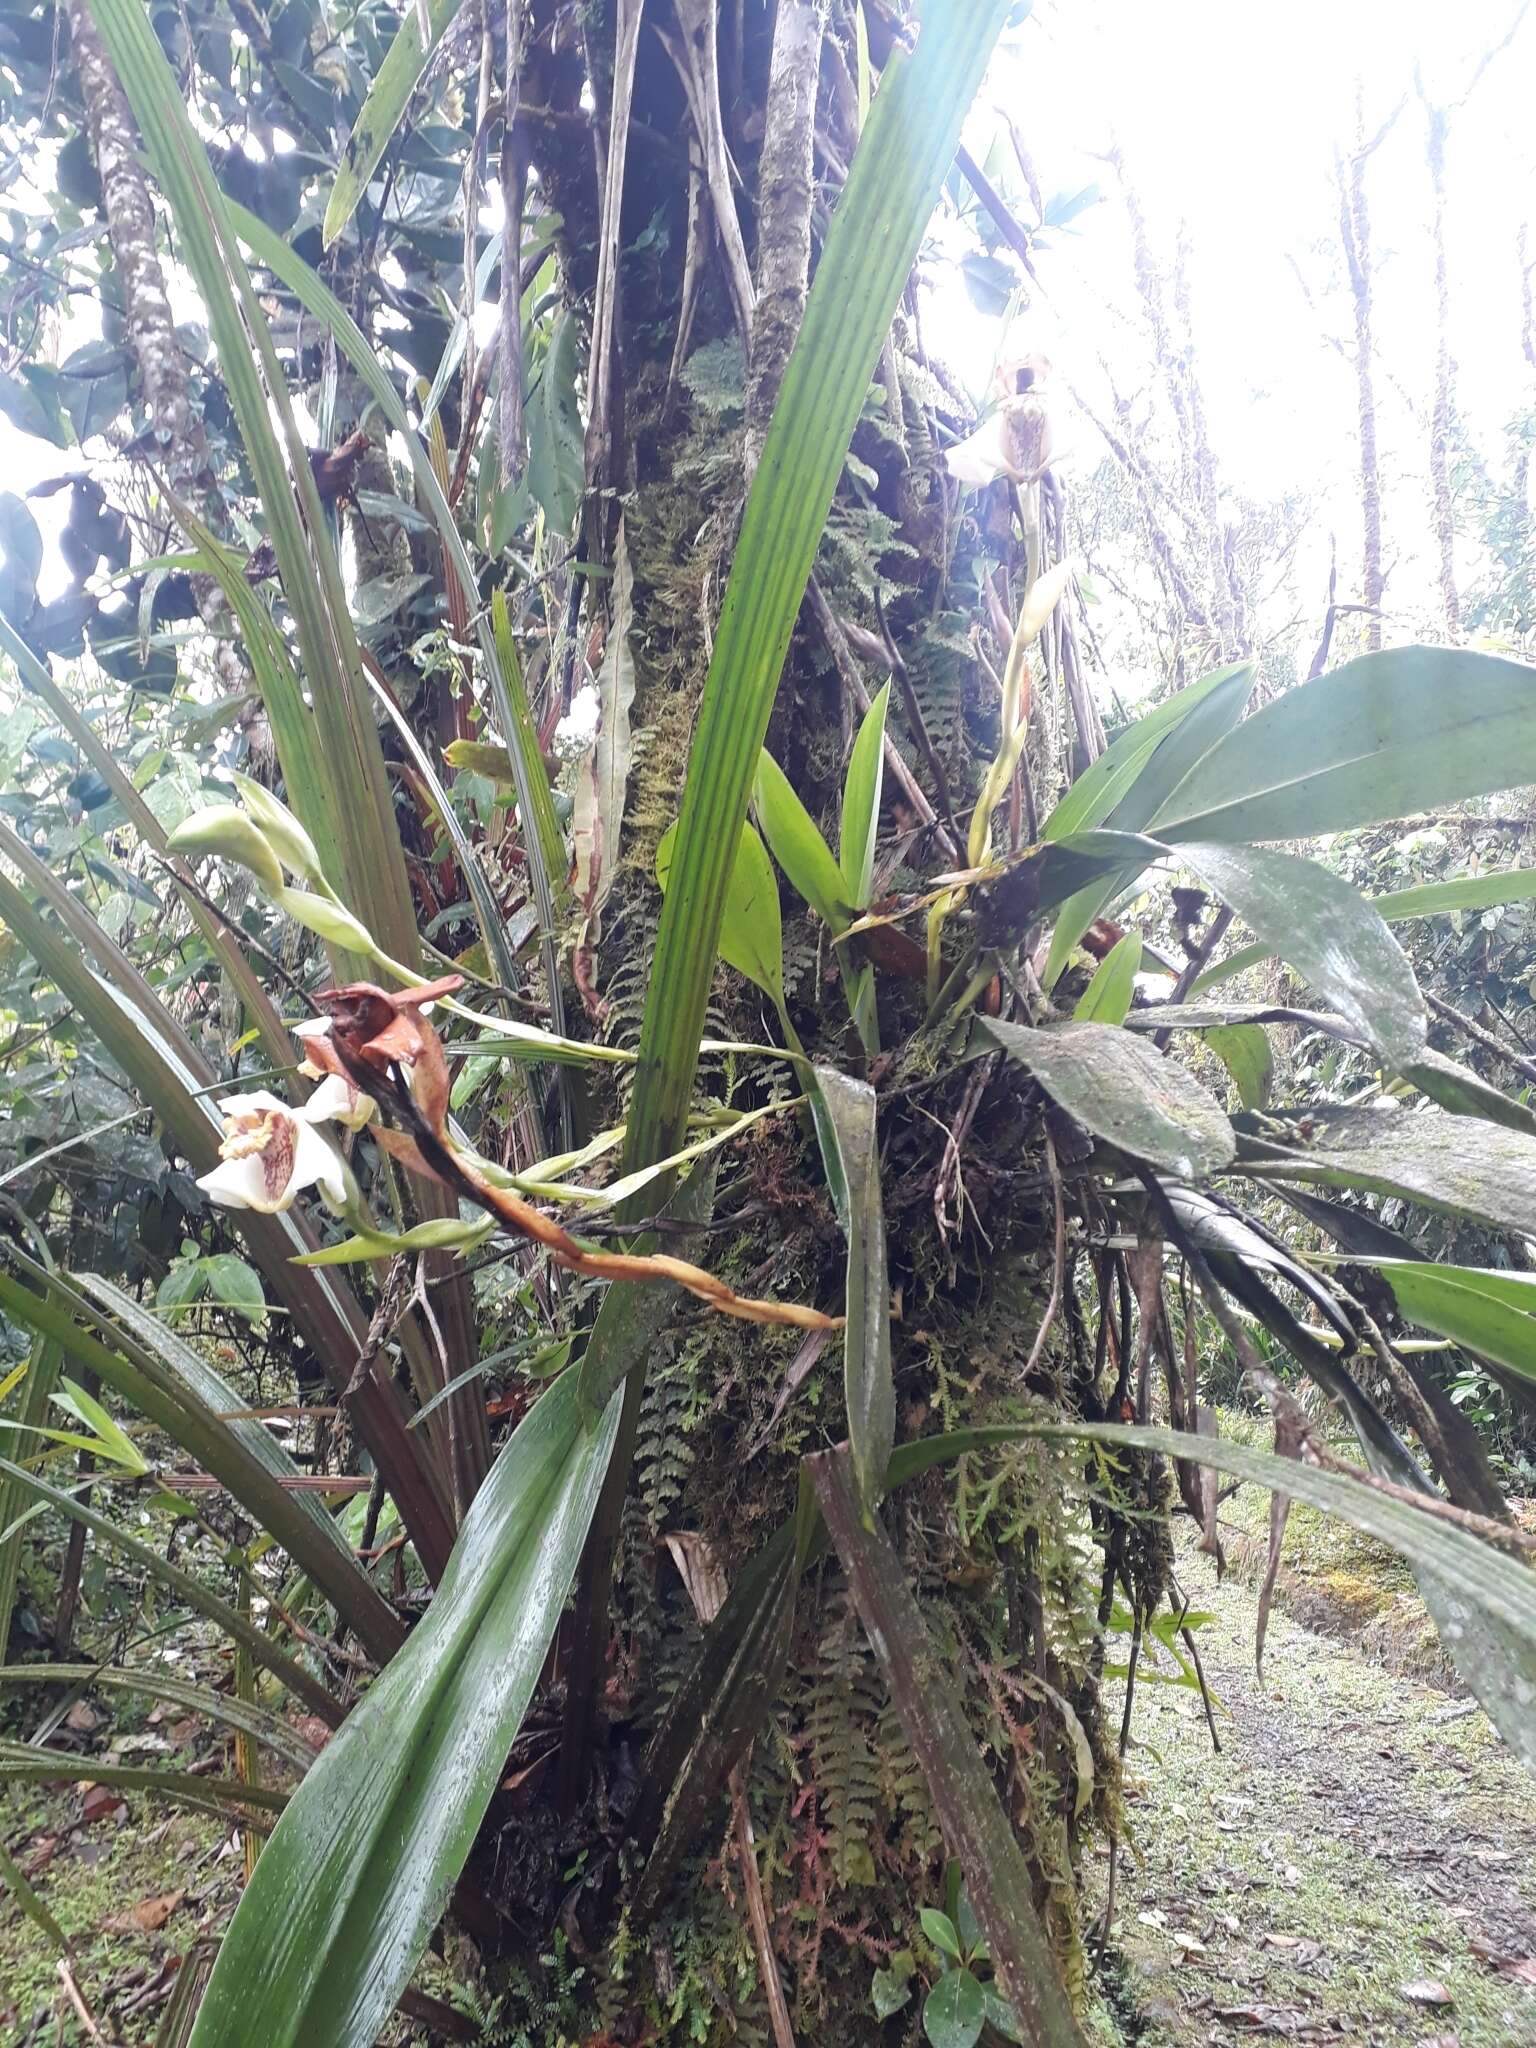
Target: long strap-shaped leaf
{"x":179,"y":1410}
{"x":903,"y":154}
{"x":976,"y":1828}
{"x":169,"y":1073}
{"x":186,"y":1586}
{"x":361,"y":1864}
{"x":230,"y":956}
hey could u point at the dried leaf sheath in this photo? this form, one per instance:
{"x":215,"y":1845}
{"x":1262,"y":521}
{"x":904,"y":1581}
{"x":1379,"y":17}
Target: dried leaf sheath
{"x":384,"y":1044}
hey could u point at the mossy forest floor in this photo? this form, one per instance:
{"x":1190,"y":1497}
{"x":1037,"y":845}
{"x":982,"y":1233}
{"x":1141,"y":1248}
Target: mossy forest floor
{"x":1357,"y":1865}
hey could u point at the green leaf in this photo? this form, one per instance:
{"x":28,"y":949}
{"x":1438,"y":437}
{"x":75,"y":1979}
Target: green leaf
{"x":976,"y":1829}
{"x":1122,"y":1091}
{"x":1245,"y":1051}
{"x":234,"y":1284}
{"x":384,"y":109}
{"x":1465,"y":1093}
{"x":1000,"y":2014}
{"x":1463,"y":892}
{"x":556,"y":453}
{"x":1101,"y":787}
{"x":14,"y":1879}
{"x":1148,"y":762}
{"x":269,"y":1729}
{"x":1319,"y":925}
{"x":861,"y":803}
{"x":795,"y":841}
{"x":1492,"y":1313}
{"x":1427,"y":899}
{"x":1107,"y":998}
{"x":1459,"y":1166}
{"x":897,"y":171}
{"x":954,"y":2012}
{"x":437,"y":1234}
{"x":751,"y":931}
{"x":891,"y":1989}
{"x":940,"y":1930}
{"x":32,"y":405}
{"x":115,"y":1442}
{"x":845,"y":1115}
{"x":1411,"y":729}
{"x":357,"y":1871}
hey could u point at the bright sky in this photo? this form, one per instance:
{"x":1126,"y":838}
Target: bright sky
{"x":1228,"y":112}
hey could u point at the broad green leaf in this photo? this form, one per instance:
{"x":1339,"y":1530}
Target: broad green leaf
{"x":891,"y":1988}
{"x":1122,"y":1091}
{"x":1167,"y":748}
{"x":23,"y":1762}
{"x":845,"y":1115}
{"x":384,"y":109}
{"x":1411,"y":729}
{"x":1318,"y":924}
{"x":1101,"y":786}
{"x":1460,"y":1166}
{"x":954,"y":2012}
{"x":1490,"y":1312}
{"x":1425,"y":899}
{"x":1463,"y":892}
{"x":940,"y":1930}
{"x":234,"y":1284}
{"x":358,"y":1869}
{"x":14,"y":1880}
{"x":555,"y":441}
{"x":1464,"y":1093}
{"x":1107,"y":998}
{"x":751,"y":931}
{"x":795,"y":840}
{"x":1245,"y":1051}
{"x":861,"y":803}
{"x":898,"y":168}
{"x":438,"y":1234}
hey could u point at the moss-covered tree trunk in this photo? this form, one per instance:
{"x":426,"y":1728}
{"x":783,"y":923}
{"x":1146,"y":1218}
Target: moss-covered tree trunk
{"x":810,"y":1866}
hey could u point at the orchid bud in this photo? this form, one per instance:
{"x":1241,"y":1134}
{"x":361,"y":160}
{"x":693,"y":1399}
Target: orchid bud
{"x":332,"y":921}
{"x":286,"y":836}
{"x":224,"y":830}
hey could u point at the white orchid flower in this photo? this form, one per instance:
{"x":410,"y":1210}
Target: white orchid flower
{"x":338,"y":1095}
{"x":271,"y":1153}
{"x":341,"y":1101}
{"x":982,"y":457}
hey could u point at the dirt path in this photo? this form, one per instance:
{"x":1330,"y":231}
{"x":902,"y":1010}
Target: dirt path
{"x":1359,"y":1864}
